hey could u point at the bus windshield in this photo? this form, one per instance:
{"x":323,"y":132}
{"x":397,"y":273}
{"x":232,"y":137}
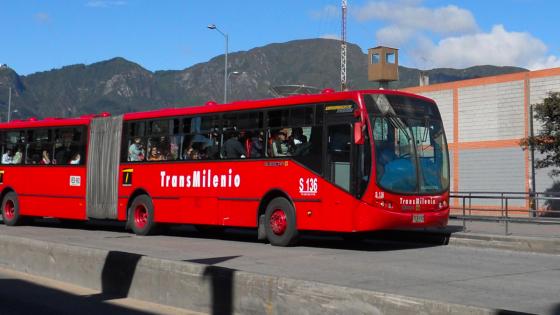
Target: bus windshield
{"x":410,"y":148}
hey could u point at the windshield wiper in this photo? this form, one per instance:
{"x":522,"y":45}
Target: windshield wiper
{"x":399,"y":124}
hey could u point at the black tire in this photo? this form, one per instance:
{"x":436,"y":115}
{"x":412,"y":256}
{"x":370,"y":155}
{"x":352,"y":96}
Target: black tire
{"x":280,"y":222}
{"x":141,"y":216}
{"x":10,"y":210}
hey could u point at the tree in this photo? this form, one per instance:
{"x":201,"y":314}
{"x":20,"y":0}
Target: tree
{"x":547,"y":141}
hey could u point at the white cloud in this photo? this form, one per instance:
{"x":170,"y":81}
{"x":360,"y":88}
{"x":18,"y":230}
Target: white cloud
{"x":409,"y":15}
{"x":331,"y":36}
{"x":105,"y":3}
{"x":42,"y":17}
{"x":544,"y":63}
{"x":394,"y":36}
{"x":498,"y":47}
{"x":327,"y":12}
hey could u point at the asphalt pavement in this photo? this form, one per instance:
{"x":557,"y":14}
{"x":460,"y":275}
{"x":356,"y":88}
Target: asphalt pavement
{"x":485,"y":277}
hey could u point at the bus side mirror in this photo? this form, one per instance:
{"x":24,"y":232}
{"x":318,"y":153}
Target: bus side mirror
{"x":358,"y":134}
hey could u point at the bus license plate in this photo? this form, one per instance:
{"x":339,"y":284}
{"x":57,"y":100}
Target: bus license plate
{"x":418,"y":218}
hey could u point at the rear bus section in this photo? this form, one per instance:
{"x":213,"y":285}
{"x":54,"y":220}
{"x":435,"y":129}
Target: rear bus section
{"x":43,"y":169}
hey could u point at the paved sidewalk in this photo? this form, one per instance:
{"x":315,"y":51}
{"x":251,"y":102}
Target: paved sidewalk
{"x":499,"y":228}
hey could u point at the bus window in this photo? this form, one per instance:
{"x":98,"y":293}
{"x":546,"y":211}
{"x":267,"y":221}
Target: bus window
{"x":136,"y":129}
{"x":254,"y":142}
{"x":40,"y":147}
{"x":338,"y":154}
{"x":250,"y":120}
{"x":13,"y":147}
{"x":63,"y":145}
{"x":278,"y":118}
{"x":136,"y":149}
{"x":306,"y":146}
{"x":158,"y":127}
{"x":278,"y":142}
{"x":301,"y":116}
{"x":202,"y":138}
{"x":233,"y":147}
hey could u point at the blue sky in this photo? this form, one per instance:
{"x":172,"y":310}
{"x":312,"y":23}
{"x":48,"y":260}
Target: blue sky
{"x":39,"y":35}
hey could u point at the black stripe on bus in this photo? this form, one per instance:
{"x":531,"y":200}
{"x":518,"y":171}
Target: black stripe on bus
{"x":51,"y":196}
{"x":306,"y":200}
{"x":238,"y":199}
{"x":166,"y":197}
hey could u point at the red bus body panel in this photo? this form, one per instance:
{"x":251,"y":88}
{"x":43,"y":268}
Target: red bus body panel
{"x":329,"y":208}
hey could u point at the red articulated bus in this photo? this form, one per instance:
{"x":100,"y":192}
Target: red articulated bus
{"x":337,"y":161}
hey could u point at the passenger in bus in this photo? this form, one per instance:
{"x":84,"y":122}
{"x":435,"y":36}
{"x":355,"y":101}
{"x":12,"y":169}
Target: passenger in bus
{"x":155,"y":155}
{"x":75,"y":159}
{"x":187,"y":155}
{"x":297,"y":142}
{"x":280,"y":145}
{"x":7,"y":157}
{"x":196,"y":155}
{"x":63,"y":155}
{"x":18,"y":156}
{"x":45,"y":158}
{"x":233,"y":149}
{"x":173,"y":149}
{"x":298,"y":136}
{"x":164,"y":147}
{"x":136,"y":151}
{"x":257,"y":145}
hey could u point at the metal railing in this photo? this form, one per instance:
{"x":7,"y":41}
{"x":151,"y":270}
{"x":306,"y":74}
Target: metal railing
{"x":505,"y":207}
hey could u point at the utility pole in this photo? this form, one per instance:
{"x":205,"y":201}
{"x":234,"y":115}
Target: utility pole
{"x":343,"y":85}
{"x":9,"y":103}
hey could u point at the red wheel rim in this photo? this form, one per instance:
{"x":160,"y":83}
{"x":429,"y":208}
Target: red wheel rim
{"x":9,"y":210}
{"x":140,"y":216}
{"x":278,"y":222}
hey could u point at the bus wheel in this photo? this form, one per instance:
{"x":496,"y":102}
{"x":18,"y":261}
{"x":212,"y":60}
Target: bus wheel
{"x":10,"y":210}
{"x":280,"y":222}
{"x":141,"y":216}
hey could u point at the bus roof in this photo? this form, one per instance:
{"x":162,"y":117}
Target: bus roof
{"x":47,"y":122}
{"x":211,"y":107}
{"x":327,"y":95}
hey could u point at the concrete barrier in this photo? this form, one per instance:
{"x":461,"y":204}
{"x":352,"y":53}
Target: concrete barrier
{"x":204,"y":288}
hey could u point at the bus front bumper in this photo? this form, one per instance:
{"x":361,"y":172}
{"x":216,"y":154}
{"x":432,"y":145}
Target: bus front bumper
{"x":371,"y":219}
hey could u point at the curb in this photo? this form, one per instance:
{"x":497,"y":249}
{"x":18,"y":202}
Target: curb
{"x":204,"y":288}
{"x":516,"y":243}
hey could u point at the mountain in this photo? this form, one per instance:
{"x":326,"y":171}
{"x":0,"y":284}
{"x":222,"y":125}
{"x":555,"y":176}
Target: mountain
{"x":118,"y":85}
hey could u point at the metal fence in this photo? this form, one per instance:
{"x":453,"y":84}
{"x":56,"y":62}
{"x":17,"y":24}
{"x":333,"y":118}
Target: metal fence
{"x":506,"y":207}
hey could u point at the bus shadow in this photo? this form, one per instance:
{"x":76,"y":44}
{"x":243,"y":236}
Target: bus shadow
{"x":374,"y":241}
{"x":371,"y":241}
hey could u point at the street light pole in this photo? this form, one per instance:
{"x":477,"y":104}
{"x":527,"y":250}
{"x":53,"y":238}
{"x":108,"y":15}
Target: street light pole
{"x":214,"y":27}
{"x":232,"y":73}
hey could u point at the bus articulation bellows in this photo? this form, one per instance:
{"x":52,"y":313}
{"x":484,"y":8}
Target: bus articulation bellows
{"x":346,"y":162}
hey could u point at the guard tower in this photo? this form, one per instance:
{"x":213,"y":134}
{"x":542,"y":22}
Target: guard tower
{"x":383,"y":65}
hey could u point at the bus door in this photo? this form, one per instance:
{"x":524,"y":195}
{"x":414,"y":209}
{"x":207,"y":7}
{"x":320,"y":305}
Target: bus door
{"x":103,"y":167}
{"x":339,"y":146}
